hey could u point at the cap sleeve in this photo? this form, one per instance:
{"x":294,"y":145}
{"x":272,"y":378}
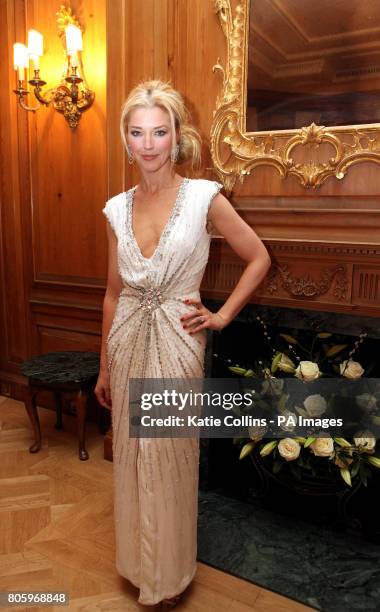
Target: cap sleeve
{"x":215,"y":187}
{"x":109,"y":211}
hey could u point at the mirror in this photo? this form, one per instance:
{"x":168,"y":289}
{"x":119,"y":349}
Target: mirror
{"x":313,"y":61}
{"x":300,"y":76}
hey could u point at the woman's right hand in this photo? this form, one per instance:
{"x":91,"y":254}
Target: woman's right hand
{"x":102,"y":390}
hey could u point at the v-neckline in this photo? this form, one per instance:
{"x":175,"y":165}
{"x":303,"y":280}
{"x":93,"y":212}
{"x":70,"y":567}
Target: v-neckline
{"x":167,"y":227}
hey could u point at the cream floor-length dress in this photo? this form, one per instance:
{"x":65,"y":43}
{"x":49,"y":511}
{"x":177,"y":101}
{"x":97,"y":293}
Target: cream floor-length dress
{"x":156,"y":479}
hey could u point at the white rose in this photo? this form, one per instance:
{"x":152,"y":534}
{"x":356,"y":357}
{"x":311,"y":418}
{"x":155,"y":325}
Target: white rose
{"x":366,"y":401}
{"x":315,"y":405}
{"x":289,"y":426}
{"x":289,"y":449}
{"x":365,"y":440}
{"x":286,"y":364}
{"x":322,"y":447}
{"x":351,"y":369}
{"x":307,"y":370}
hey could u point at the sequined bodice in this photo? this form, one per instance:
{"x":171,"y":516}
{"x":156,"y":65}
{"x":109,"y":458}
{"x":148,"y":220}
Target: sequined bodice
{"x":180,"y":257}
{"x":175,"y":270}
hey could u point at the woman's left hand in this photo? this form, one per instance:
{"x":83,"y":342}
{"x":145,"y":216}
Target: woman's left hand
{"x":201,"y":318}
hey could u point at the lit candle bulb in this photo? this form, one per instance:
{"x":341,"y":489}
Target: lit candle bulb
{"x":20,"y":59}
{"x":35,"y":47}
{"x":73,"y":39}
{"x":74,"y":43}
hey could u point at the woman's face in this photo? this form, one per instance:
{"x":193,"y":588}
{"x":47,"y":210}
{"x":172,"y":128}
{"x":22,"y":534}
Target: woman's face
{"x":149,"y":137}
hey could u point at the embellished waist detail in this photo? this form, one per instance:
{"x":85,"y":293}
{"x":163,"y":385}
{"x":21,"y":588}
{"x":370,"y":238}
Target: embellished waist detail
{"x":150,"y":298}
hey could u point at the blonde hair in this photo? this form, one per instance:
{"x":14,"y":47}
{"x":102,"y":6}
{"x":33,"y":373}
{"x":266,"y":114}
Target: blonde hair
{"x":157,"y":93}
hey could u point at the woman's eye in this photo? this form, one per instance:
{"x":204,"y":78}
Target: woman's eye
{"x":161,"y":132}
{"x":135,"y":132}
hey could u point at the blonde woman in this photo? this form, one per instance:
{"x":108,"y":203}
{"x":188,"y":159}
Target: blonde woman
{"x":154,"y":326}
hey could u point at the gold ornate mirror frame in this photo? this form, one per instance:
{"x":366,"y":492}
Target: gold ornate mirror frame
{"x":236,"y":152}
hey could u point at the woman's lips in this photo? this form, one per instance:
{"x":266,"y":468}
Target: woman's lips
{"x":149,"y":157}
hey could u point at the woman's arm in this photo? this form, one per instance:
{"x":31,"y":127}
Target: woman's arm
{"x":247,"y":245}
{"x":114,"y":286}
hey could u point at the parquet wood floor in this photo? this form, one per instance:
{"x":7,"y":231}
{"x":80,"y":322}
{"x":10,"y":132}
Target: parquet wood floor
{"x":56,"y":527}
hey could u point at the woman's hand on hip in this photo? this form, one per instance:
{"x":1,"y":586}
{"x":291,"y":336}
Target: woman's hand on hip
{"x":201,"y":318}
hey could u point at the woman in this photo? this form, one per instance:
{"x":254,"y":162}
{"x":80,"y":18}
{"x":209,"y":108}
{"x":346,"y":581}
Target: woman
{"x":154,"y":326}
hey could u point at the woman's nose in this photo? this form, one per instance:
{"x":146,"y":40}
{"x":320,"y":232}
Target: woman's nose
{"x":147,"y":142}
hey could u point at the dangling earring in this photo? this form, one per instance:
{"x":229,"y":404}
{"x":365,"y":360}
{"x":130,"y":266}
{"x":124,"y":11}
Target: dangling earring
{"x":131,"y":159}
{"x":174,"y":156}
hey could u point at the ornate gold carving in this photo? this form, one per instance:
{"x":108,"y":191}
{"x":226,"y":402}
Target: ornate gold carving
{"x":70,"y":109}
{"x":306,"y":287}
{"x":235,"y":153}
{"x":74,"y":100}
{"x":66,"y":17}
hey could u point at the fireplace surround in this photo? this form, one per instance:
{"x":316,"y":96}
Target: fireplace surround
{"x":238,"y":344}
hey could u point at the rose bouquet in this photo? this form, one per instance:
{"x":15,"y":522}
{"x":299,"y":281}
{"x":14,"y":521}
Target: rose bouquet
{"x":351,"y":459}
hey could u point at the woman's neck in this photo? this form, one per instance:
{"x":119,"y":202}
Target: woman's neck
{"x":153,"y":183}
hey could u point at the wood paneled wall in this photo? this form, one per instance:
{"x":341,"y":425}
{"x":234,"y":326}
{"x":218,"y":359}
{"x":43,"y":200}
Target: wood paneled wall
{"x":53,"y":185}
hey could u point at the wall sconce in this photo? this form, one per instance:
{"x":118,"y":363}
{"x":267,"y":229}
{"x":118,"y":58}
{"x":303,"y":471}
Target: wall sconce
{"x":71,"y":96}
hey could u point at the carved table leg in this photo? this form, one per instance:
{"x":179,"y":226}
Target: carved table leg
{"x":81,"y":406}
{"x":31,"y":408}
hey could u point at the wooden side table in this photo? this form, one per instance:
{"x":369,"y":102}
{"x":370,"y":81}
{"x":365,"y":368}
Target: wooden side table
{"x":60,"y":372}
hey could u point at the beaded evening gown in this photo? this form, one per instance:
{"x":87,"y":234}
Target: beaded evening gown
{"x":156,"y":479}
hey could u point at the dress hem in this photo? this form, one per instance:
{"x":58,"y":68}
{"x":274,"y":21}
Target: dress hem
{"x":182,"y":588}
